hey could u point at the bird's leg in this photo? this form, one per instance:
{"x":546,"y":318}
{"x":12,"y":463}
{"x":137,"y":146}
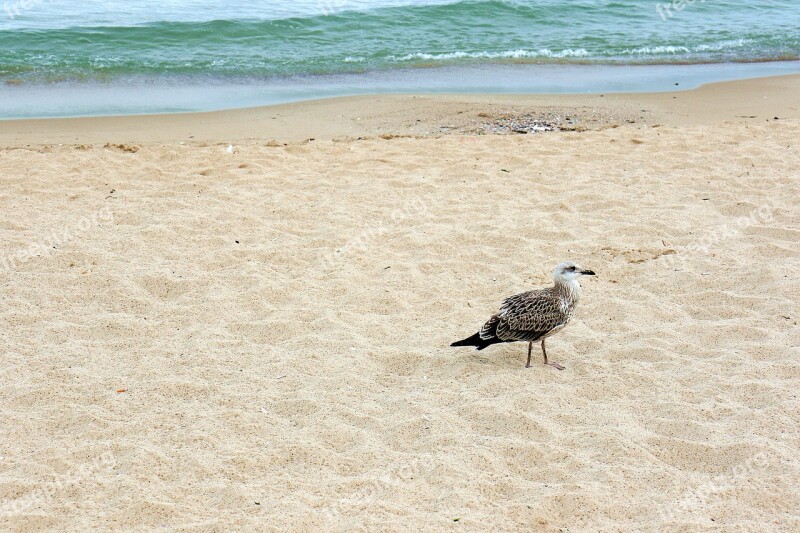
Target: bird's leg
{"x":553,"y":363}
{"x":530,"y":347}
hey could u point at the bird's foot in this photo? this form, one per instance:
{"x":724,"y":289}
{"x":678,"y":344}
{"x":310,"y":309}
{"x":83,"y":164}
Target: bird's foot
{"x":556,"y":365}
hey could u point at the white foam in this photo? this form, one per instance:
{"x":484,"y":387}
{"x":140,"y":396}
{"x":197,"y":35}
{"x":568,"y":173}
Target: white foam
{"x":660,"y":50}
{"x":507,"y":54}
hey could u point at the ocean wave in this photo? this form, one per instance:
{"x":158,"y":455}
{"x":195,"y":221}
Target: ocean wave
{"x":109,"y":13}
{"x":394,"y":34}
{"x":671,"y":50}
{"x":507,"y":54}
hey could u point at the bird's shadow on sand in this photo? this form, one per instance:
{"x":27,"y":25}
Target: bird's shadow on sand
{"x":501,"y":358}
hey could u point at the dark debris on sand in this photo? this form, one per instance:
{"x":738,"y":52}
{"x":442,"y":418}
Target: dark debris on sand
{"x":511,"y":122}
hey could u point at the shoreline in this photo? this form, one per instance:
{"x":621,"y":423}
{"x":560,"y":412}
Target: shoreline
{"x":171,"y":95}
{"x":750,"y":100}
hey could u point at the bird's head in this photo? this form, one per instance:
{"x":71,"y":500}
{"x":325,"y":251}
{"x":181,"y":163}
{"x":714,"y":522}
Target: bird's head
{"x":569,"y":271}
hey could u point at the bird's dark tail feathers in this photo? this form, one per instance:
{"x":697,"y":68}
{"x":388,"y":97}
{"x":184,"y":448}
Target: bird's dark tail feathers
{"x":476,"y":341}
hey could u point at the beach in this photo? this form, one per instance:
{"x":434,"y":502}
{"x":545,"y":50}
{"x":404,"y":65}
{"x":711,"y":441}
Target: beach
{"x":240,"y":320}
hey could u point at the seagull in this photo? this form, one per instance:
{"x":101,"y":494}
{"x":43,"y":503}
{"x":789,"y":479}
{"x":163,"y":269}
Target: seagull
{"x":534,"y":315}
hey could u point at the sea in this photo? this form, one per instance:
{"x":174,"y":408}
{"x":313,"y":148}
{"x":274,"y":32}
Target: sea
{"x":95,"y":57}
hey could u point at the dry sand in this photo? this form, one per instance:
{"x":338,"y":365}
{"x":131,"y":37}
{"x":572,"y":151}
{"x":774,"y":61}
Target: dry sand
{"x":199,"y":340}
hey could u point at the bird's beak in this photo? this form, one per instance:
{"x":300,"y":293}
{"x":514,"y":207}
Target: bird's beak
{"x":587,"y":272}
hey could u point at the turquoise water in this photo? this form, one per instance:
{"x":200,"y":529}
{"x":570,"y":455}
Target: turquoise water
{"x":106,"y":41}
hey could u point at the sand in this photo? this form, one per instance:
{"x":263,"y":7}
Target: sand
{"x":200,"y":340}
{"x":739,"y":102}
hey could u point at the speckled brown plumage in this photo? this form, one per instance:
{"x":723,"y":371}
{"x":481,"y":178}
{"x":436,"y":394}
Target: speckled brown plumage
{"x":533,"y":315}
{"x":529,"y":316}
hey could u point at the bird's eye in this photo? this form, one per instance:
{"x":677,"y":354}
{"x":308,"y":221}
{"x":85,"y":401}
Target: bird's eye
{"x":571,"y":269}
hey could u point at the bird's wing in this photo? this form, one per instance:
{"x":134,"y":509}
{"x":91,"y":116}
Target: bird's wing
{"x":489,"y":329}
{"x":528,"y":316}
